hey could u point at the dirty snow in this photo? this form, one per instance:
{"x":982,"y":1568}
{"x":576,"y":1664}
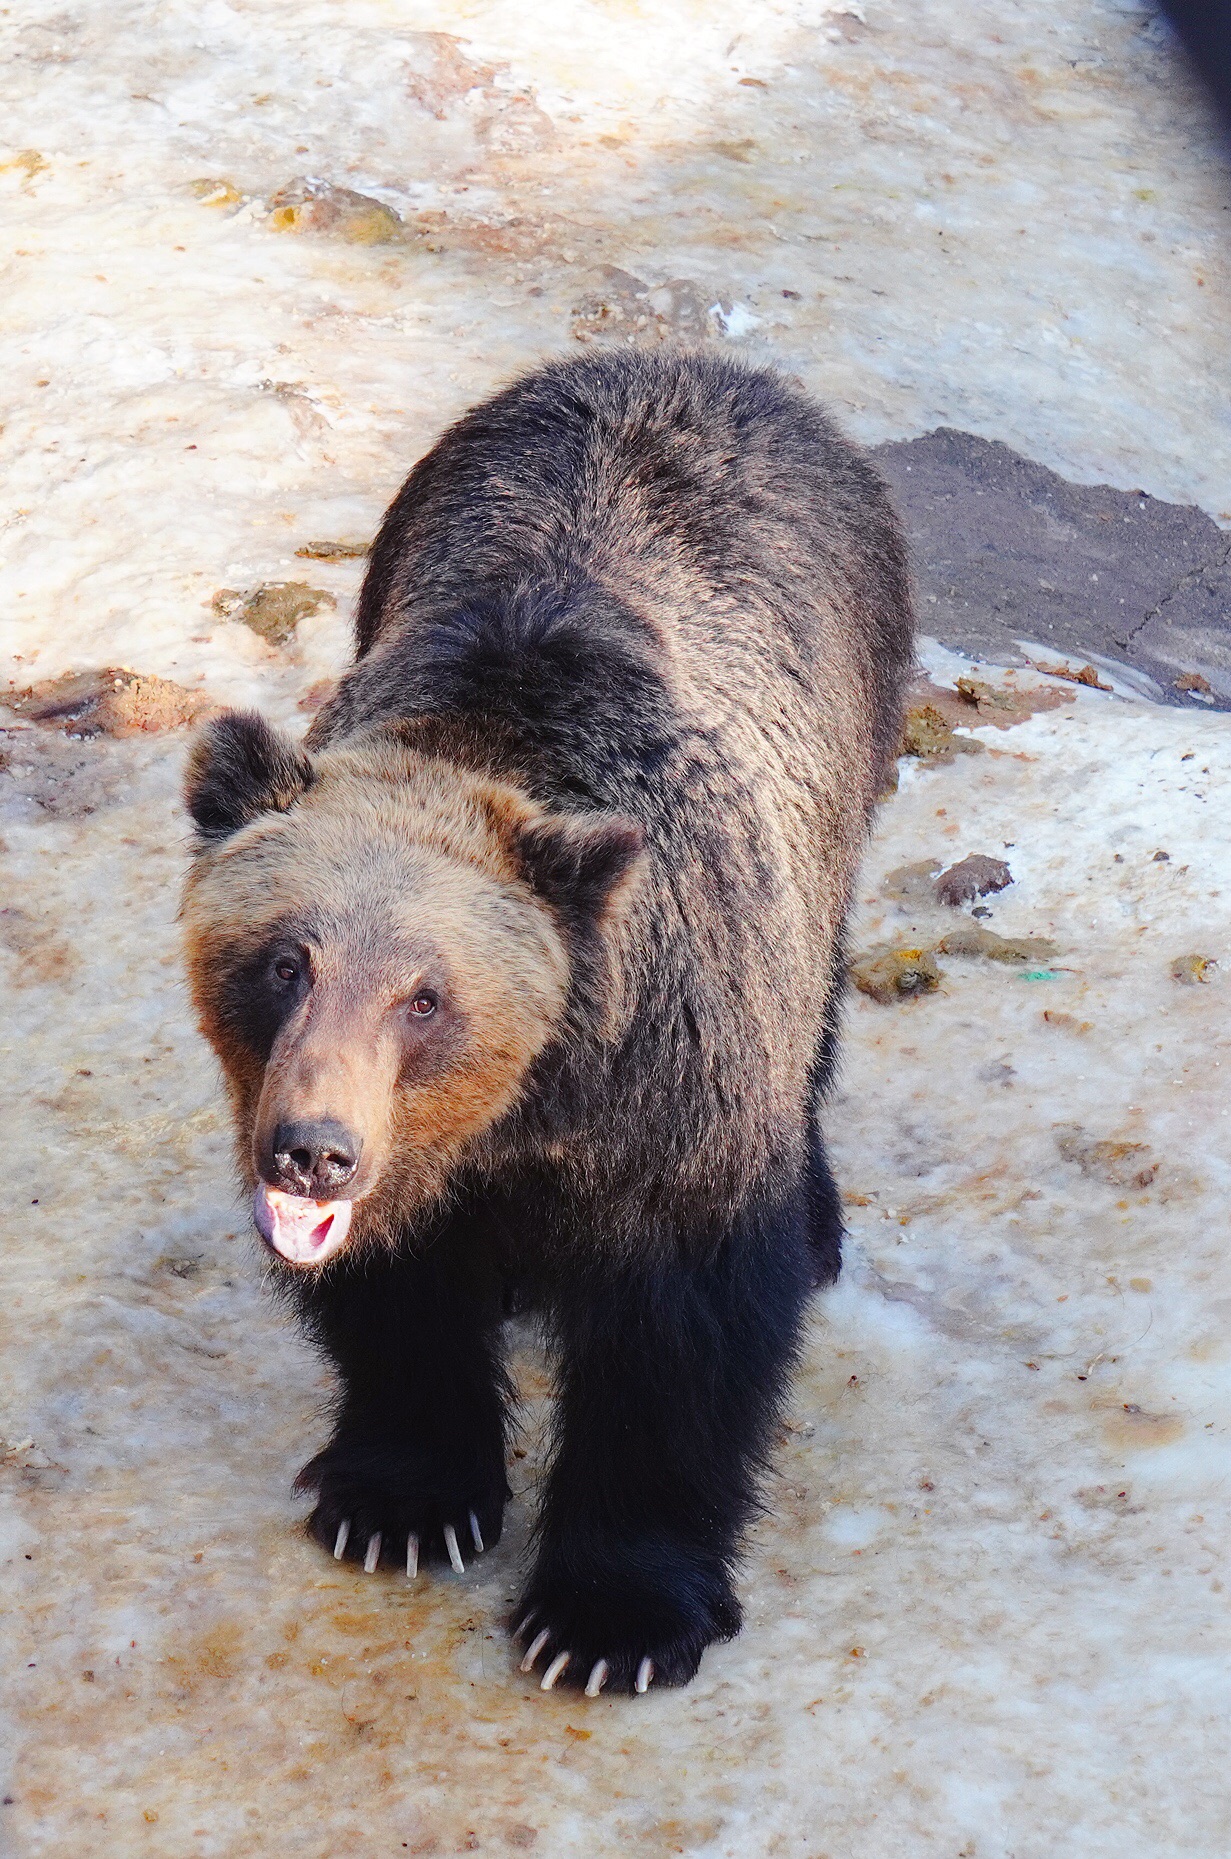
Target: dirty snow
{"x":986,"y":1611}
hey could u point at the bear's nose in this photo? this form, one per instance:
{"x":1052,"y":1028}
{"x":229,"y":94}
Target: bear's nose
{"x":314,"y":1159}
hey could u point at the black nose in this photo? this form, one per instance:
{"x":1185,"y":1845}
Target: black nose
{"x":314,"y":1159}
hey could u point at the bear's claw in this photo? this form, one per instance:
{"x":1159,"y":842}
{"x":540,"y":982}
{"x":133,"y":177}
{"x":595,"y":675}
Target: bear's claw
{"x":622,"y":1635}
{"x":381,"y":1504}
{"x":600,"y":1671}
{"x":554,"y":1670}
{"x":371,"y":1555}
{"x":535,"y":1648}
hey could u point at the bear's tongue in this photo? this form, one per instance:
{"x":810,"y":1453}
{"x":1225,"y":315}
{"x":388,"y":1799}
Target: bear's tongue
{"x":304,"y":1232}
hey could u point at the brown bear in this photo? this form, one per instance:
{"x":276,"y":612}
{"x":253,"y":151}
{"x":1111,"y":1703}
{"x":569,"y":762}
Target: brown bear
{"x":524,"y":972}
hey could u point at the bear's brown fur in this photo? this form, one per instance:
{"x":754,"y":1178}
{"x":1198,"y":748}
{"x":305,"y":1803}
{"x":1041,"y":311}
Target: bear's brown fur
{"x":540,"y":938}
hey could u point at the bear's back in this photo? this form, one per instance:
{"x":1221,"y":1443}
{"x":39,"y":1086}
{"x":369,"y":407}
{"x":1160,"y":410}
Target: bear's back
{"x":690,"y":522}
{"x":663,"y":584}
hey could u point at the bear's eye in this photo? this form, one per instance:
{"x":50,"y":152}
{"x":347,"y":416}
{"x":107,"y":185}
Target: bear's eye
{"x":423,"y":1006}
{"x":286,"y":968}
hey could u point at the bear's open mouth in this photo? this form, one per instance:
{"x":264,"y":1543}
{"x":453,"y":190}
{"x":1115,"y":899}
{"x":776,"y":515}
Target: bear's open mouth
{"x":302,"y":1231}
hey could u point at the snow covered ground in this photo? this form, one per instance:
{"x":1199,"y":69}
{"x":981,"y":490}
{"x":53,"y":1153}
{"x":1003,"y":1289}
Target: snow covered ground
{"x":986,"y":1610}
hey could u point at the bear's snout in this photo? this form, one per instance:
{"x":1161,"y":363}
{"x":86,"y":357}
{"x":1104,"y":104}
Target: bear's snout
{"x":315,"y":1159}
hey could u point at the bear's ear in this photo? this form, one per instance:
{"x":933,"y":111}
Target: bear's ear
{"x":581,"y":862}
{"x":239,"y":768}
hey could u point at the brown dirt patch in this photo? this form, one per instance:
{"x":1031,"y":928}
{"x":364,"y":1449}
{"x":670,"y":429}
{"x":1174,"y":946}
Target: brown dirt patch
{"x":274,"y":610}
{"x":110,"y":702}
{"x":334,"y":551}
{"x":1188,"y":970}
{"x":913,"y":884}
{"x":976,"y":704}
{"x":972,"y":939}
{"x":1076,"y":674}
{"x":316,"y":206}
{"x":976,"y":876}
{"x":889,"y":975}
{"x":927,"y":736}
{"x":1119,"y":1164}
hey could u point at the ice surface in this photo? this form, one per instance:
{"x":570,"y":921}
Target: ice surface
{"x":986,"y":1607}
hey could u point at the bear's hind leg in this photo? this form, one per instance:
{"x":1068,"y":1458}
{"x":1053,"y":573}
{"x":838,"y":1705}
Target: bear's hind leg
{"x":416,"y":1466}
{"x":671,"y":1375}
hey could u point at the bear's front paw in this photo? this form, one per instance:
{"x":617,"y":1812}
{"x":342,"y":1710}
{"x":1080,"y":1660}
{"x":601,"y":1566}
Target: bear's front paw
{"x":381,"y":1501}
{"x":648,"y":1624}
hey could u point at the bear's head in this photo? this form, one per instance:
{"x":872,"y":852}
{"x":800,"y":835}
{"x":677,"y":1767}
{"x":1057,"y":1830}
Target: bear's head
{"x":380,"y":945}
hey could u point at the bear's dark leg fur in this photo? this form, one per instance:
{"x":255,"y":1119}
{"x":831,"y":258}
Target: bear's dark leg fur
{"x":824,"y":1198}
{"x":671,"y":1375}
{"x":419,"y":1436}
{"x":825,"y":1208}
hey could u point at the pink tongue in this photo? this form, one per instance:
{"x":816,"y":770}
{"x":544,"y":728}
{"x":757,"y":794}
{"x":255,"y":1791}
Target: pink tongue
{"x":303,"y":1231}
